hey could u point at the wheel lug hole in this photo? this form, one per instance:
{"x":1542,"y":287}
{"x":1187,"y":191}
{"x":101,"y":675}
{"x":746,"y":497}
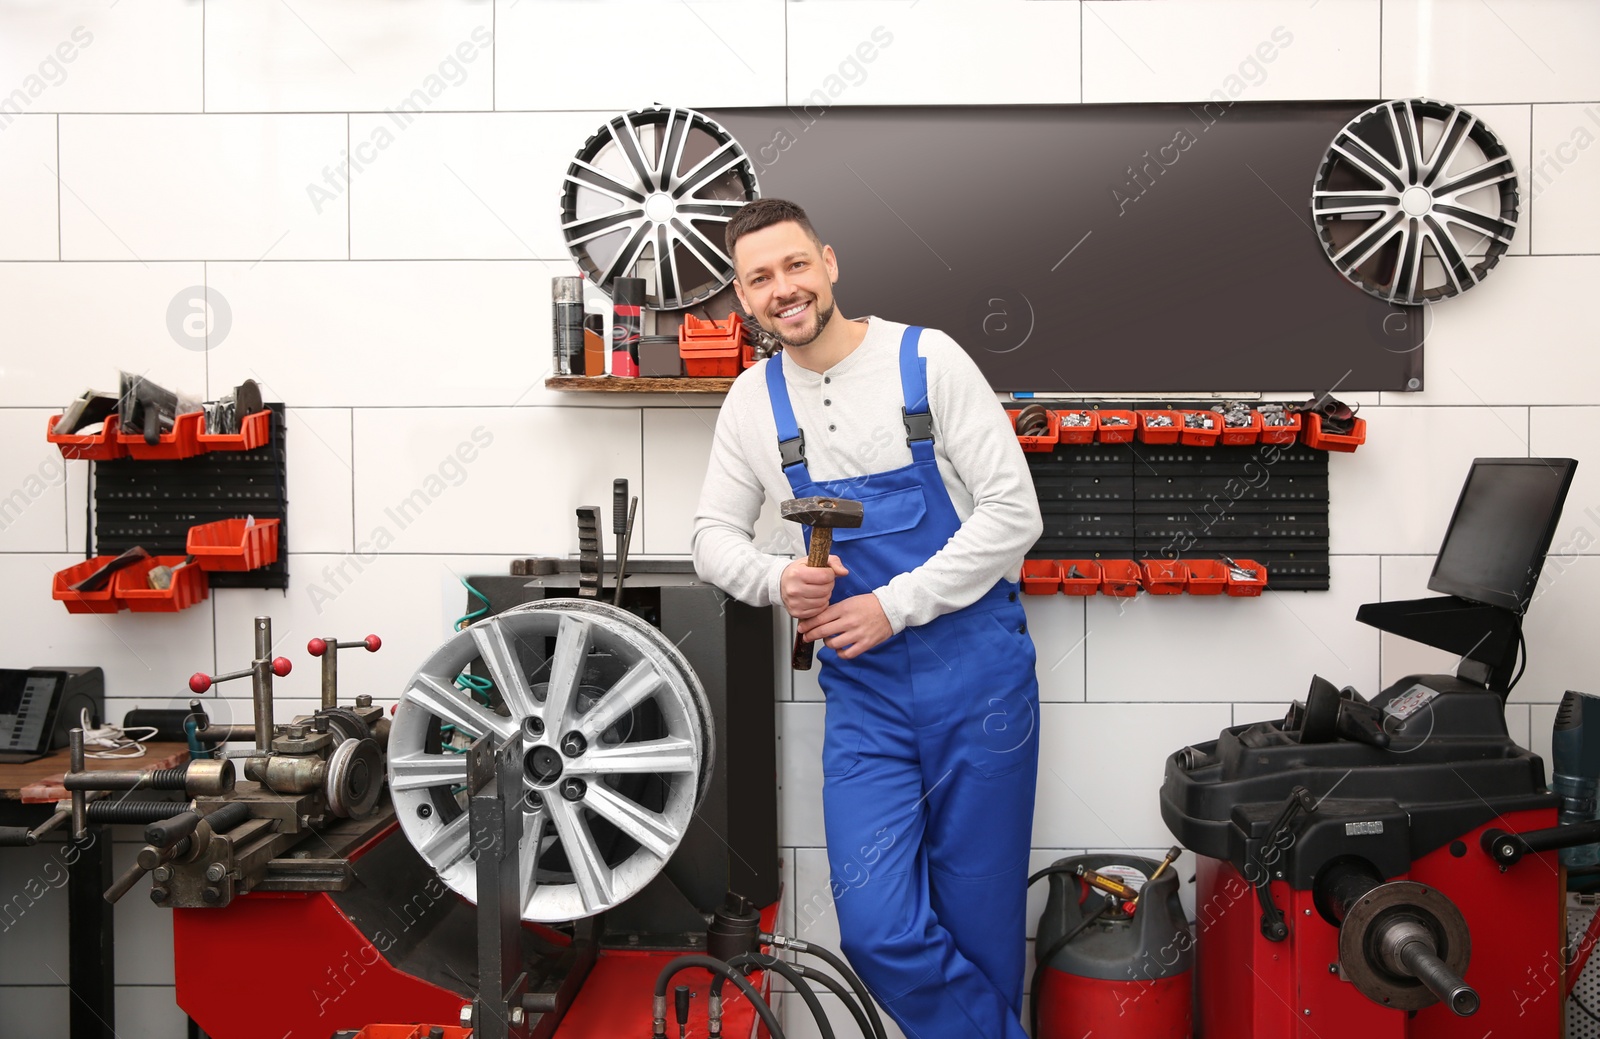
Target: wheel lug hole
{"x":574,"y":788}
{"x":424,"y":811}
{"x":534,"y":799}
{"x":573,"y":744}
{"x":534,"y":727}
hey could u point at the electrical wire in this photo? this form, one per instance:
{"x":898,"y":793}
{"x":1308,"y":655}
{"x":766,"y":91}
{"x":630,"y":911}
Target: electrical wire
{"x":1042,"y":960}
{"x":113,"y":740}
{"x":1573,"y":995}
{"x":1522,"y":653}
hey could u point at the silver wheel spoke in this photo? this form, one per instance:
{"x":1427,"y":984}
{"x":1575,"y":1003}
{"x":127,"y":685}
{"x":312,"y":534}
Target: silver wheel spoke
{"x":708,"y":170}
{"x":709,"y":252}
{"x":599,"y":180}
{"x":653,"y":833}
{"x":589,"y":869}
{"x":417,"y":771}
{"x":566,"y":670}
{"x":580,"y":231}
{"x":1444,"y":156}
{"x":633,"y":150}
{"x":453,"y":707}
{"x":652,"y":756}
{"x":1368,"y":161}
{"x":449,"y":843}
{"x":678,"y":125}
{"x":639,"y":684}
{"x":629,"y":254}
{"x":1344,"y":203}
{"x":1492,"y":172}
{"x":1368,"y":243}
{"x":1450,"y":254}
{"x":505,"y":669}
{"x":1479,"y":221}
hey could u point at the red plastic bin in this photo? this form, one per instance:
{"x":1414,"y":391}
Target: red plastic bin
{"x":711,"y":349}
{"x":103,"y":601}
{"x":1039,"y":444}
{"x":1239,"y":436}
{"x":1164,"y":576}
{"x":1116,"y":432}
{"x":254,"y":430}
{"x":132,"y":586}
{"x":93,"y":447}
{"x":1205,"y":576}
{"x":1088,"y":584}
{"x":1248,"y":587}
{"x":1285,"y":434}
{"x":1159,"y":434}
{"x":182,"y":441}
{"x":1314,"y":438}
{"x":1199,"y":437}
{"x":1041,"y":576}
{"x":1077,"y":434}
{"x":1119,"y":577}
{"x":230,"y":545}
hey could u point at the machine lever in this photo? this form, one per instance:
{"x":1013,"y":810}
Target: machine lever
{"x":1507,"y":849}
{"x":1300,"y":800}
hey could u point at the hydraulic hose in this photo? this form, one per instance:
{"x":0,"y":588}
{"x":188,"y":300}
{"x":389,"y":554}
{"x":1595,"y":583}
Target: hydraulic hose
{"x":843,"y":969}
{"x":837,"y":987}
{"x":722,"y":971}
{"x":793,"y":977}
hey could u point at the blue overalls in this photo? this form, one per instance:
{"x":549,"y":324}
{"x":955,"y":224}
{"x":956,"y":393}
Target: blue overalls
{"x":929,"y":758}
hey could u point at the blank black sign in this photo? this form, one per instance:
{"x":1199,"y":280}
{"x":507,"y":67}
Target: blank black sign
{"x":1093,"y":248}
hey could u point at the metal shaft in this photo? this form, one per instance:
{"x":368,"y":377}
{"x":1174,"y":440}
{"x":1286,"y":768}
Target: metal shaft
{"x":330,"y":673}
{"x":80,"y":802}
{"x":1414,"y":953}
{"x":262,"y":682}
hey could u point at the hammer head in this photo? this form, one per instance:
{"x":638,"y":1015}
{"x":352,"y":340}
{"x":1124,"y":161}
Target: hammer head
{"x":822,"y":512}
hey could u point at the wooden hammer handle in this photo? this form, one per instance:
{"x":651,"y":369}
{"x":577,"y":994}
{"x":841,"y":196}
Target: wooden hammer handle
{"x":821,"y":547}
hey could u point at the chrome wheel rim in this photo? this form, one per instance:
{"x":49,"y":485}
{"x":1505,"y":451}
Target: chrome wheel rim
{"x":616,"y":737}
{"x":649,"y":196}
{"x":1415,"y":201}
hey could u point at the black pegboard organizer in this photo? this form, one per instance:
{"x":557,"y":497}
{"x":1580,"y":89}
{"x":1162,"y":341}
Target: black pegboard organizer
{"x":153,"y":504}
{"x":1137,"y":501}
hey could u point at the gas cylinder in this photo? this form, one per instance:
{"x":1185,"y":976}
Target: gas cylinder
{"x":1120,"y":975}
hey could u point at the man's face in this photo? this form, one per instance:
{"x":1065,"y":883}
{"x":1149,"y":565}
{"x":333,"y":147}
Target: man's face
{"x":785,"y":282}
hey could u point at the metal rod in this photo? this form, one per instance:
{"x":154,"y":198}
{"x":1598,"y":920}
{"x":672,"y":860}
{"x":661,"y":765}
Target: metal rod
{"x":80,"y":804}
{"x":261,"y":667}
{"x":330,"y":673}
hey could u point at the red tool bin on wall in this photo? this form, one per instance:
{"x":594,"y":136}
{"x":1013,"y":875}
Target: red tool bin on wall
{"x":93,"y":447}
{"x":132,"y":586}
{"x":234,"y":544}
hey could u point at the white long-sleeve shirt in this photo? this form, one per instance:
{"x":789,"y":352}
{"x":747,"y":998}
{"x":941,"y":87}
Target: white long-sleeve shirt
{"x":852,"y":422}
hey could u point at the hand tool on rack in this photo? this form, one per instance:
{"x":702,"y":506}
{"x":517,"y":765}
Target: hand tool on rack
{"x":328,"y":649}
{"x":591,"y":553}
{"x":821,"y":515}
{"x":622,"y":527}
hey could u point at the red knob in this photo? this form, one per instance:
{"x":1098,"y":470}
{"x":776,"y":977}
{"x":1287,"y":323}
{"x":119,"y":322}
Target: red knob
{"x":199,"y":682}
{"x":316,"y":647}
{"x":372,"y":642}
{"x":281,"y":666}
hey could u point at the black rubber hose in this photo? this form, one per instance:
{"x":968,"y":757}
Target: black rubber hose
{"x":722,"y":972}
{"x":791,"y":975}
{"x":1042,"y":963}
{"x":835,"y":961}
{"x":837,"y":987}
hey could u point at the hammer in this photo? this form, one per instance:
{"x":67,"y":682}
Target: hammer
{"x":822,"y":515}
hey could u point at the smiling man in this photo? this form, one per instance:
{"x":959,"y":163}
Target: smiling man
{"x":930,"y":752}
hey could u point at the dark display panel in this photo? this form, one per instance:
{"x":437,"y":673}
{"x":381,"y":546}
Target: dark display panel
{"x":1501,"y":530}
{"x":1092,"y":248}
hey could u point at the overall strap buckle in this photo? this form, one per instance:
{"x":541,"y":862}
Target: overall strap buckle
{"x":919,"y":425}
{"x":793,"y":450}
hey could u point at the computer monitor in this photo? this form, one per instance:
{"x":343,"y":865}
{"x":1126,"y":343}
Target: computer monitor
{"x":1501,"y":530}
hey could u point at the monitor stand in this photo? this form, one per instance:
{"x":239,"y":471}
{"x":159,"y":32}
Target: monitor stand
{"x":1484,"y":636}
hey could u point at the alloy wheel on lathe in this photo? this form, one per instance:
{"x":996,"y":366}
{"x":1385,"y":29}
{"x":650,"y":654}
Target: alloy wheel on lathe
{"x":616,"y":736}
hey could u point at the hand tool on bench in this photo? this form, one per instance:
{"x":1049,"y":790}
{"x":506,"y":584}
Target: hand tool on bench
{"x":821,"y":515}
{"x":622,"y":511}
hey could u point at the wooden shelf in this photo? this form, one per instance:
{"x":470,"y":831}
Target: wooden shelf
{"x":584,"y":383}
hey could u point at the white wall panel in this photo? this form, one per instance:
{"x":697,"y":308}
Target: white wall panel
{"x":1530,"y":50}
{"x":28,"y":183}
{"x":33,"y":477}
{"x":1562,"y":184}
{"x":91,"y":56}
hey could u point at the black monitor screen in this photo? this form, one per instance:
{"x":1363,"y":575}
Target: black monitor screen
{"x":1501,"y":530}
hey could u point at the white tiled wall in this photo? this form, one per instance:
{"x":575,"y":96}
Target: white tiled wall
{"x":371,"y":187}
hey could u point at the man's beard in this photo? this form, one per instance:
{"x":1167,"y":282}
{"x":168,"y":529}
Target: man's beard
{"x":823,"y":316}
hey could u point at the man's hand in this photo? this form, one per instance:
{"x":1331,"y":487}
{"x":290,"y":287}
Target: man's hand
{"x":806,"y":589}
{"x":850,"y":626}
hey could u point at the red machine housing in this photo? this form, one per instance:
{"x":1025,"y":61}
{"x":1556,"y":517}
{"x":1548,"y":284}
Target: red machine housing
{"x":1252,"y":988}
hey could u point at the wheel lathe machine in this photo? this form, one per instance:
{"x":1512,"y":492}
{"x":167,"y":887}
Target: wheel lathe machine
{"x":567,"y":794}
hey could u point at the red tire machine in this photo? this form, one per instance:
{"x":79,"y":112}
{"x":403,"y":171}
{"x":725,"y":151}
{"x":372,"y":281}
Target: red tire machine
{"x":1385,"y":869}
{"x":555,"y":750}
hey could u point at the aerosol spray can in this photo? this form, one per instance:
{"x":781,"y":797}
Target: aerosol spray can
{"x":566,"y":309}
{"x":627,"y":303}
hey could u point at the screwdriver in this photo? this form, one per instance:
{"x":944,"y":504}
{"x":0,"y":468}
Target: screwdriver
{"x":622,"y":526}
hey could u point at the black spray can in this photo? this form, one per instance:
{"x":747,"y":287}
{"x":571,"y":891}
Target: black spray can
{"x":566,"y":310}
